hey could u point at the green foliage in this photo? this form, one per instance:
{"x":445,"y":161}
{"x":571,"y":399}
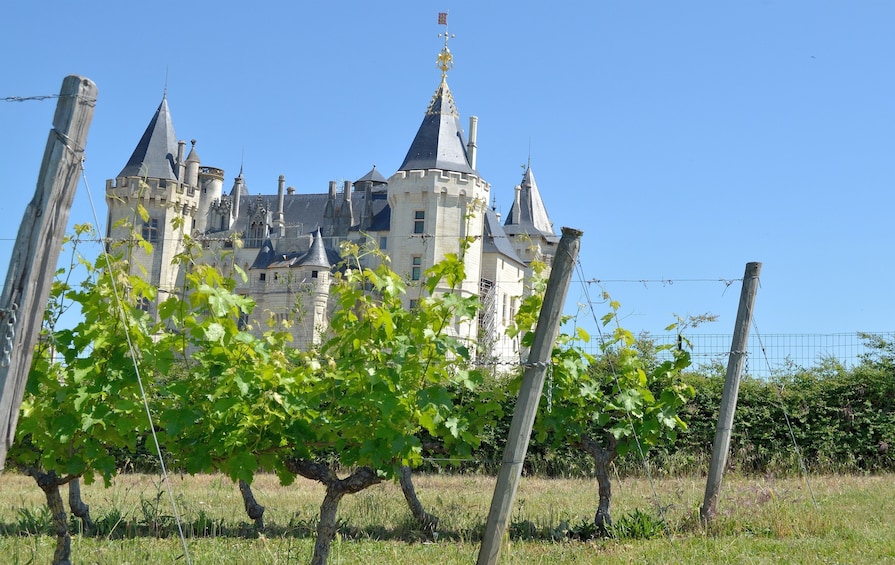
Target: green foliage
{"x":380,"y":377}
{"x":843,"y":420}
{"x":638,"y":524}
{"x":625,"y":392}
{"x":83,"y":401}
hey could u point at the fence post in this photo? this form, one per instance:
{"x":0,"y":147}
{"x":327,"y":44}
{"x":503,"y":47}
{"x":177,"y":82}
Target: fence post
{"x":32,"y":265}
{"x":529,"y":395}
{"x":735,"y":363}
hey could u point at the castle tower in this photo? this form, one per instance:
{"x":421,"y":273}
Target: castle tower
{"x":154,"y":178}
{"x":292,"y":288}
{"x":437,"y":197}
{"x":528,"y":225}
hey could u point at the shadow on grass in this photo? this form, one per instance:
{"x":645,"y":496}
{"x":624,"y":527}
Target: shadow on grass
{"x":38,"y":521}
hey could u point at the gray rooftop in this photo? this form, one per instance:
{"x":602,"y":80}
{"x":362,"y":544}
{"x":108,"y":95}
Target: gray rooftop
{"x":496,"y":240}
{"x":305,"y":212}
{"x":528,"y":214}
{"x":155,"y":154}
{"x":439,"y":143}
{"x":373,"y":176}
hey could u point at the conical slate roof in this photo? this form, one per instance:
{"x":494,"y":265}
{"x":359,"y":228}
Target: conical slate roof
{"x":266,"y":255}
{"x":373,"y":176}
{"x":155,"y":154}
{"x":316,"y":255}
{"x":528,"y":213}
{"x":439,"y":142}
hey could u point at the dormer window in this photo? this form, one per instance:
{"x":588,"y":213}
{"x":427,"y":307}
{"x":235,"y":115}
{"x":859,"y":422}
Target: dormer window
{"x":256,"y":234}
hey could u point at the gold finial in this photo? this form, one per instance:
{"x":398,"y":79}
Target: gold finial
{"x":445,"y":59}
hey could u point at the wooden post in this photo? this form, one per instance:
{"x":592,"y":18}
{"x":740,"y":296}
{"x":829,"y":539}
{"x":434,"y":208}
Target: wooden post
{"x":529,"y":395}
{"x":735,"y":363}
{"x":32,"y":265}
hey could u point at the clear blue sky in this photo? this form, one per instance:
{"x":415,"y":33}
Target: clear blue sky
{"x":684,"y":138}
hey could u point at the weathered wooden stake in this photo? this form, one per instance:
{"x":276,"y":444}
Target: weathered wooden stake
{"x":735,"y":363}
{"x":32,"y":265}
{"x":529,"y":395}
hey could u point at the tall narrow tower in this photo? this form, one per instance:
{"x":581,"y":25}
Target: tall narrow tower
{"x":156,"y":197}
{"x":437,"y":197}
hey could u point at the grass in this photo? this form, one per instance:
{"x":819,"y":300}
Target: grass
{"x":760,"y":520}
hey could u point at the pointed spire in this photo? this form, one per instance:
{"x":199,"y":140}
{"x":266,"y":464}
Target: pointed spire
{"x":193,"y":157}
{"x":316,"y":255}
{"x":439,"y":142}
{"x":155,"y":153}
{"x":528,"y":212}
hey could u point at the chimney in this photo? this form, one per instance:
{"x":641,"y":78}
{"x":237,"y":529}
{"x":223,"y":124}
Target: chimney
{"x":290,"y":190}
{"x":473,"y":133}
{"x":346,"y":211}
{"x":330,"y":210}
{"x":281,"y":186}
{"x":181,"y":166}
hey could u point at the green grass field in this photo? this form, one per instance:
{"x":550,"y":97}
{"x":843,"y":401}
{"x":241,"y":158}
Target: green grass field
{"x":761,"y":520}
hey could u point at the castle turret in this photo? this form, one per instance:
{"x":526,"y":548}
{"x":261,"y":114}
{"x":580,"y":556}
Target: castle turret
{"x":154,"y":178}
{"x":528,"y":226}
{"x":369,"y":183}
{"x":437,"y":197}
{"x":236,"y":193}
{"x":192,"y":165}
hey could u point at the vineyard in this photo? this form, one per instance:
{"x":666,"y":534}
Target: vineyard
{"x":386,"y":392}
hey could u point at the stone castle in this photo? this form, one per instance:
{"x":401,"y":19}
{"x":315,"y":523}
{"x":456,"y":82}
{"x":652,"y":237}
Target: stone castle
{"x":287,"y":242}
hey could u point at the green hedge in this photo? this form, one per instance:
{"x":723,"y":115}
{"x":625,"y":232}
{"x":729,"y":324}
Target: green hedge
{"x":842,"y":420}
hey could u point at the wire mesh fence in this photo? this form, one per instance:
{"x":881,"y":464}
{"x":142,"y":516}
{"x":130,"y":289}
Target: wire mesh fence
{"x":772,"y":354}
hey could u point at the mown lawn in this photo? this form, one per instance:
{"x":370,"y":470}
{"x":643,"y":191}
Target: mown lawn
{"x":761,"y":520}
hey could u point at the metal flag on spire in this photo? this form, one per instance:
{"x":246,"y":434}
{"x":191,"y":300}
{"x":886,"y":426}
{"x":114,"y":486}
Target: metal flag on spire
{"x":445,"y":59}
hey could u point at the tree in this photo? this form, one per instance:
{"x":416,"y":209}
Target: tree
{"x":358,"y":401}
{"x":83,"y":403}
{"x":610,"y":405}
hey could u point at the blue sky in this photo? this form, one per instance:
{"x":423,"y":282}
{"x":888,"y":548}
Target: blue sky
{"x":684,"y":138}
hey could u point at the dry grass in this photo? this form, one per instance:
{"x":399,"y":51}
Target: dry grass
{"x":761,"y":520}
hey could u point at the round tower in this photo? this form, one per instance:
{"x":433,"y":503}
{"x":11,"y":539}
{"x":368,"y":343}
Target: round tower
{"x":438,"y":199}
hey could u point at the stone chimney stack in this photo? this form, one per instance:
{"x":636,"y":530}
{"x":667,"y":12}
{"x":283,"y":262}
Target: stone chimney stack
{"x":471,"y":147}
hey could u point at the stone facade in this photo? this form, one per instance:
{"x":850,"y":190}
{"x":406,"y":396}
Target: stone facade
{"x":287,"y":242}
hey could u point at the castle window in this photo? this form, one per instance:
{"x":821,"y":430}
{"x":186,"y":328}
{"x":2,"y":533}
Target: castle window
{"x":313,"y":274}
{"x":414,"y":303}
{"x":383,"y":243}
{"x":143,"y":304}
{"x":419,"y":221}
{"x":150,"y":231}
{"x":417,"y":268}
{"x":263,"y":277}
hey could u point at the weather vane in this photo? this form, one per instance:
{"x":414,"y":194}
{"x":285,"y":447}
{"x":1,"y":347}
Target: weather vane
{"x":445,"y":59}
